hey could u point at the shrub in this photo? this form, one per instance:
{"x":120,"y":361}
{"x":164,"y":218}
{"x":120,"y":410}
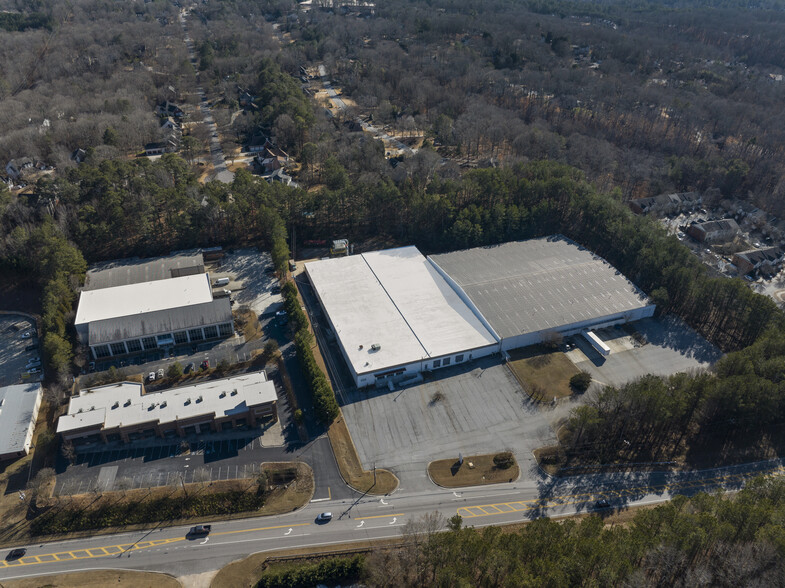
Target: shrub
{"x":504,"y":460}
{"x":581,"y":381}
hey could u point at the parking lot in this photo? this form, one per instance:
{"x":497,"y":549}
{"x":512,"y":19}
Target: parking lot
{"x":251,"y":280}
{"x":472,"y":409}
{"x":670,"y":347}
{"x":222,"y":456}
{"x":18,"y":350}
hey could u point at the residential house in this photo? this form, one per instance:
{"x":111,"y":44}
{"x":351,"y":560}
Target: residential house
{"x":721,"y":231}
{"x":79,"y":155}
{"x":16,"y":168}
{"x":157,"y":148}
{"x":666,"y":203}
{"x":257,"y":144}
{"x":764,"y":260}
{"x":167,"y":109}
{"x":281,"y":176}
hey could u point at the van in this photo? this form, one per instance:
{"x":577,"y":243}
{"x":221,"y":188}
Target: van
{"x":221,"y":282}
{"x":292,"y":265}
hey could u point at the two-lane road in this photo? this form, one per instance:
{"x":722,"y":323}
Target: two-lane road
{"x":170,"y":550}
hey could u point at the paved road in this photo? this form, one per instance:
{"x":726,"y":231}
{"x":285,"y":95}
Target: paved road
{"x":222,"y":173}
{"x":168,"y":549}
{"x":340,"y":104}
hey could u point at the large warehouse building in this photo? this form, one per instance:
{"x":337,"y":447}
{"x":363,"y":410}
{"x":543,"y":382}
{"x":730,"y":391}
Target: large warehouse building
{"x":141,"y":316}
{"x":396,"y":313}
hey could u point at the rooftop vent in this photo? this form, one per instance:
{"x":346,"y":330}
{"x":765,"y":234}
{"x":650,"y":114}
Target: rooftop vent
{"x":234,"y":392}
{"x":187,"y":401}
{"x":163,"y":404}
{"x":116,"y":404}
{"x":375,"y":347}
{"x":222,"y":394}
{"x":199,"y":399}
{"x":127,"y":402}
{"x":92,"y":408}
{"x":78,"y":411}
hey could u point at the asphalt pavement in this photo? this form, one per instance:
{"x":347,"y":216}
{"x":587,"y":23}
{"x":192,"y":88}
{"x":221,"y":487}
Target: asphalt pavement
{"x":357,"y":519}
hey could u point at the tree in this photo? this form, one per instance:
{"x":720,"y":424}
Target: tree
{"x":581,"y":381}
{"x":68,"y":452}
{"x":175,"y":371}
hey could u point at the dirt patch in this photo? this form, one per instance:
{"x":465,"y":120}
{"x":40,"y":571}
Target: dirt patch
{"x":292,"y":492}
{"x":543,"y":373}
{"x":349,"y":463}
{"x":98,"y":579}
{"x":476,"y":470}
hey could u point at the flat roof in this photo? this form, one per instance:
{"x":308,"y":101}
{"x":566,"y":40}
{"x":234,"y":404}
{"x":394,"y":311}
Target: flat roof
{"x":134,"y":299}
{"x":124,"y":404}
{"x":122,"y":272}
{"x":17,"y":410}
{"x":540,"y":284}
{"x":162,"y":321}
{"x":396,"y":300}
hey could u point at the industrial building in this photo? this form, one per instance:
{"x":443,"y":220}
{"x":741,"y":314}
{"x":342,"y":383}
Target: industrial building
{"x":19,"y":406}
{"x":141,"y":316}
{"x":396,"y":313}
{"x":124,"y":412}
{"x":394,"y":316}
{"x":122,"y":272}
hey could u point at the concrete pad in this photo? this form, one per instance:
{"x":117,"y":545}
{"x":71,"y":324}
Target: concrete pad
{"x":273,"y":436}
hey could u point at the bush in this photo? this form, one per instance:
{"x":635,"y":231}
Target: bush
{"x":581,"y":381}
{"x":298,"y":416}
{"x":504,"y":460}
{"x":175,"y":371}
{"x":336,"y":570}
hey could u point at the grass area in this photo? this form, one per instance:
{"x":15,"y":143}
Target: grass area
{"x":97,"y":579}
{"x":350,"y":466}
{"x":283,"y":499}
{"x":543,"y":373}
{"x":476,"y":470}
{"x":248,"y":324}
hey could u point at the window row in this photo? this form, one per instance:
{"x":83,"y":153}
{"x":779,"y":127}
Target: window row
{"x":177,"y":338}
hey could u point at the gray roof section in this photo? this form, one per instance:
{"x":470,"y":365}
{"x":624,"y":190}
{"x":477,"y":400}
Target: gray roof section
{"x":161,"y":321}
{"x":541,"y":284}
{"x":135,"y":271}
{"x":17,"y":407}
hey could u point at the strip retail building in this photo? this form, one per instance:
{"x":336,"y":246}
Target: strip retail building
{"x":396,"y":313}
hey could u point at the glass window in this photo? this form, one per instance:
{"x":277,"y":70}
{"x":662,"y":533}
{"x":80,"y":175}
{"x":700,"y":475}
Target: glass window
{"x":226,"y":329}
{"x":133,"y":345}
{"x":165,"y":339}
{"x":149,"y":343}
{"x":118,"y":348}
{"x":437,"y":363}
{"x":446,"y":361}
{"x":210,"y":332}
{"x":458,"y":358}
{"x":101,"y":351}
{"x":181,"y":337}
{"x":195,"y":334}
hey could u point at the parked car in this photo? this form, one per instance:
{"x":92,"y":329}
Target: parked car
{"x":189,"y":368}
{"x":205,"y":365}
{"x":26,"y":335}
{"x":151,"y":377}
{"x":324,"y":517}
{"x":602,"y":503}
{"x":275,"y":289}
{"x":16,"y":553}
{"x":160,"y":373}
{"x":34,"y":370}
{"x":33,"y":363}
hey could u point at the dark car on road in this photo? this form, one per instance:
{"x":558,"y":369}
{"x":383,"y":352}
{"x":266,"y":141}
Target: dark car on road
{"x":602,"y":503}
{"x":16,"y":553}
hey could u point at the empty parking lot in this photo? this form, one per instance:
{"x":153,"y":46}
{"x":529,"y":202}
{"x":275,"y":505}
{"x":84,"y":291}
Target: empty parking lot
{"x":474,"y":409}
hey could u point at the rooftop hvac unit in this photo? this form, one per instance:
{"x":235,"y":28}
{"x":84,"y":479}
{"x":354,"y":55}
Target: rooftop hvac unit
{"x":234,"y":392}
{"x":375,"y":347}
{"x":187,"y":401}
{"x":222,"y":394}
{"x":199,"y":399}
{"x":116,"y":404}
{"x":127,"y":402}
{"x":163,"y":404}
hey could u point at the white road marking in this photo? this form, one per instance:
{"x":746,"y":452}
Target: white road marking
{"x":361,"y":524}
{"x":393,"y":521}
{"x":289,"y":531}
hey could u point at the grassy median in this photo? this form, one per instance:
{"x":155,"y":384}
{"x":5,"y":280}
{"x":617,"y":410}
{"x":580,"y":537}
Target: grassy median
{"x":476,"y":470}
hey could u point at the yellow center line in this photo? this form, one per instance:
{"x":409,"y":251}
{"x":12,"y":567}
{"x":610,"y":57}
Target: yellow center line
{"x":387,"y":516}
{"x":259,"y":529}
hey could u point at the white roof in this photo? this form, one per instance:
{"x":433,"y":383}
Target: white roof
{"x":396,"y":300}
{"x":17,"y":412}
{"x":144,"y":297}
{"x":123,"y":404}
